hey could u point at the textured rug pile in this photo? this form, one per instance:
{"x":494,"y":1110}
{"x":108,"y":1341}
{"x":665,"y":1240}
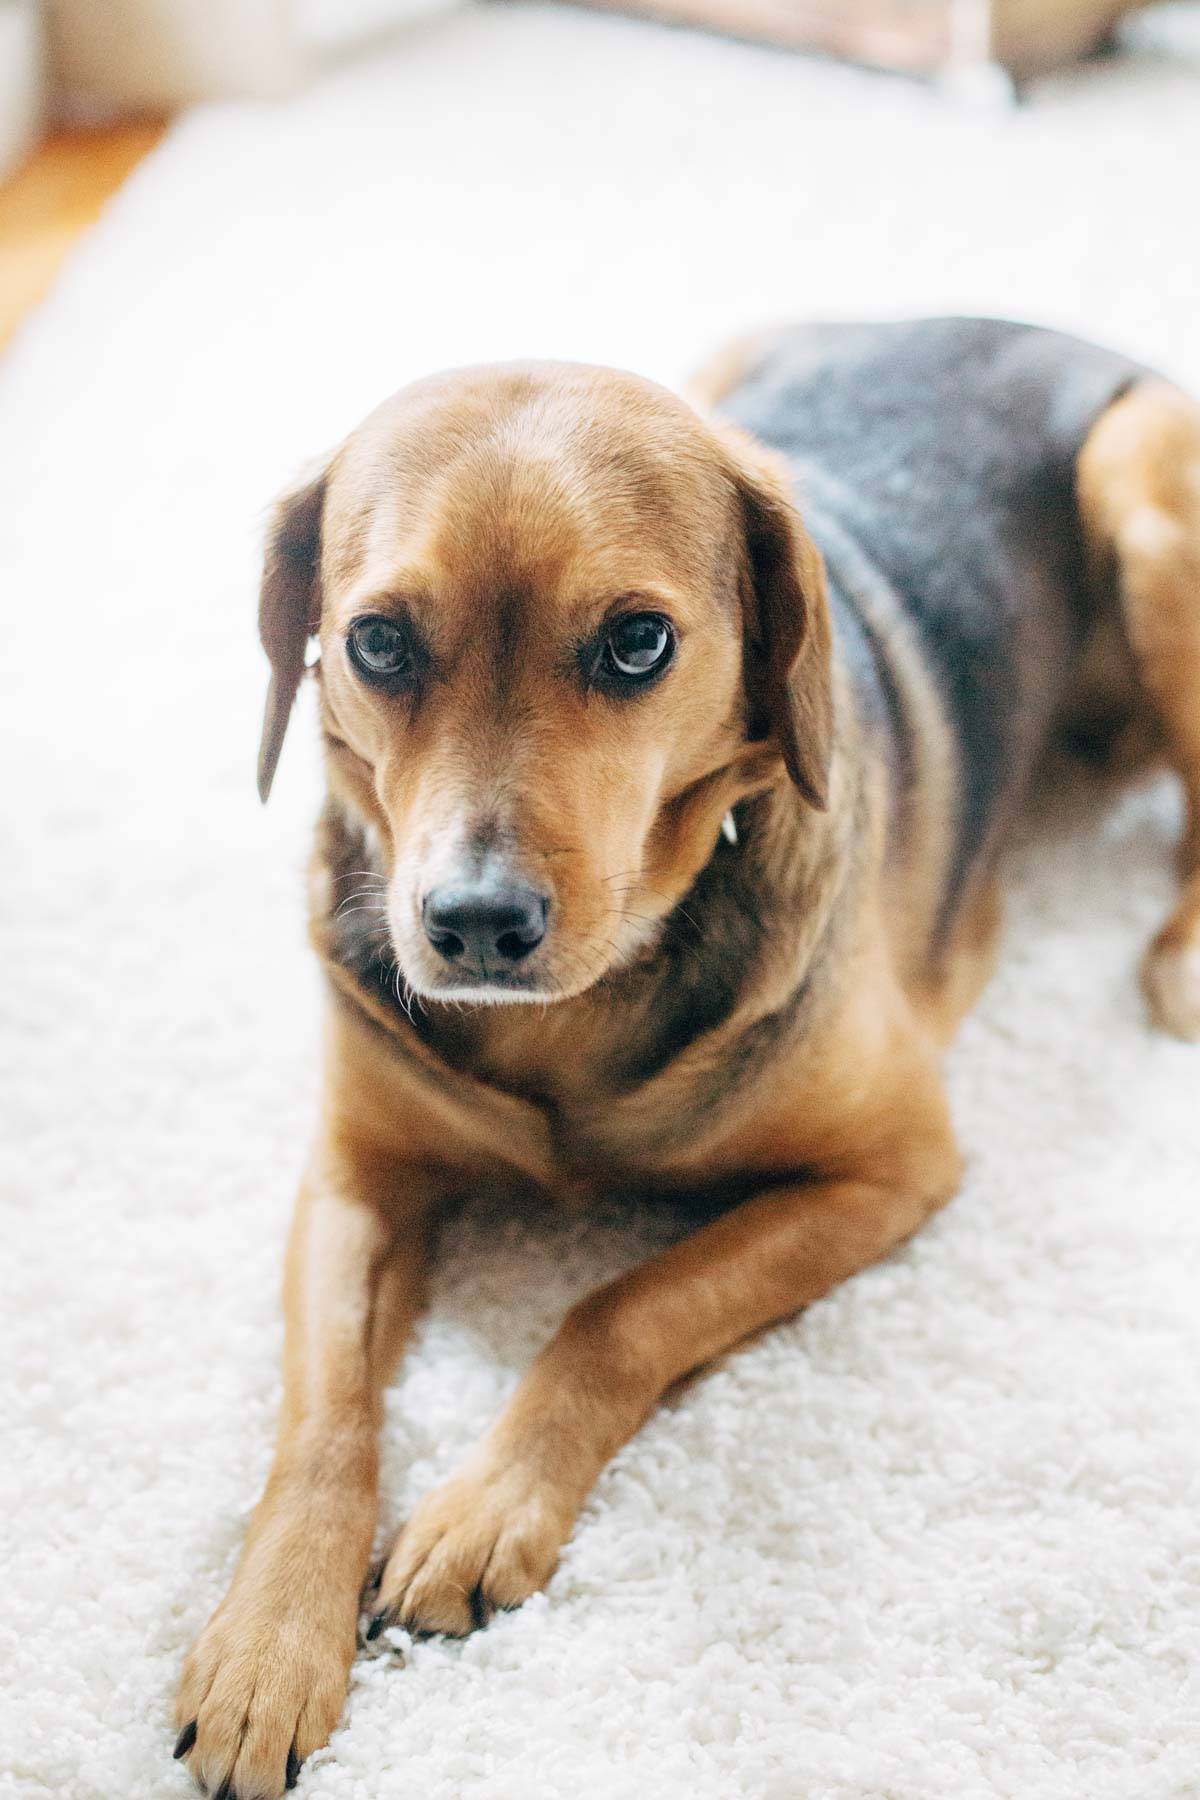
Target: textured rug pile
{"x":937,"y":1540}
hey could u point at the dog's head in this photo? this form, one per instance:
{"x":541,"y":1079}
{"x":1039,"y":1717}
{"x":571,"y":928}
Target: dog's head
{"x":564,"y":623}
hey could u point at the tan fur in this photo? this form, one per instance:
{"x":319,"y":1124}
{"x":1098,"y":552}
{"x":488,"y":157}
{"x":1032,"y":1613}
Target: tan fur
{"x":835,"y":1137}
{"x":722,"y":371}
{"x":1139,"y":490}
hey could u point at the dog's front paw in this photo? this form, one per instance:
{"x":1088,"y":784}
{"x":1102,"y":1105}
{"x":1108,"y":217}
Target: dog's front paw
{"x":263,"y":1688}
{"x":485,"y":1541}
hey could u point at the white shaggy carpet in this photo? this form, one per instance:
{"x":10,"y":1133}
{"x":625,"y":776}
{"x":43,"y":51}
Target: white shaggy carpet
{"x":937,"y":1540}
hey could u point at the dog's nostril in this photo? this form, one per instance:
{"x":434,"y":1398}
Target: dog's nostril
{"x":486,"y":920}
{"x":512,"y":946}
{"x":448,"y":942}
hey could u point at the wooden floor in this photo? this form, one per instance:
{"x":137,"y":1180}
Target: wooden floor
{"x":48,"y":206}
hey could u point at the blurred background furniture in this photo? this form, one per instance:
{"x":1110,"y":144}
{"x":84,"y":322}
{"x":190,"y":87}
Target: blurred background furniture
{"x":128,"y":56}
{"x":20,"y":81}
{"x":919,"y":37}
{"x":136,"y":55}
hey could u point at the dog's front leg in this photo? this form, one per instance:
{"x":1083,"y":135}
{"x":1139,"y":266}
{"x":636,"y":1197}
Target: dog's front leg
{"x":266,"y":1681}
{"x":492,"y":1535}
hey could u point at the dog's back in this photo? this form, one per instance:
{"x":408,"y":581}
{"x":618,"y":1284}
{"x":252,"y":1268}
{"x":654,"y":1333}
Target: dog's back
{"x":935,"y":464}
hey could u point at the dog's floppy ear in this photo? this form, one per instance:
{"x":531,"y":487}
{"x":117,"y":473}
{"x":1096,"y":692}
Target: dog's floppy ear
{"x":787,"y":631}
{"x":289,"y":610}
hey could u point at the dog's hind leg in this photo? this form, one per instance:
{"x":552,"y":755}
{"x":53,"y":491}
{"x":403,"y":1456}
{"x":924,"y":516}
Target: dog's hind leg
{"x":1139,"y":496}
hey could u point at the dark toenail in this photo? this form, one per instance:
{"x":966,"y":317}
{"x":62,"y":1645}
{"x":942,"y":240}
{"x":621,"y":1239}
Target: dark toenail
{"x":293,"y":1768}
{"x":184,"y":1741}
{"x":376,"y":1626}
{"x":225,"y":1791}
{"x":481,"y":1607}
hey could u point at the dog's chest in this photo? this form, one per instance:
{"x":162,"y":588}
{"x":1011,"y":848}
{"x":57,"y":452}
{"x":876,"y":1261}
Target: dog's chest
{"x":616,"y":1105}
{"x":560,"y":1072}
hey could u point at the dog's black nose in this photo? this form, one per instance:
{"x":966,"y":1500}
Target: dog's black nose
{"x":485,"y":921}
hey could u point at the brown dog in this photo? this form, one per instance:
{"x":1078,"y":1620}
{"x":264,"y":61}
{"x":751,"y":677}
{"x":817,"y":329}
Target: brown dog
{"x":606,"y":731}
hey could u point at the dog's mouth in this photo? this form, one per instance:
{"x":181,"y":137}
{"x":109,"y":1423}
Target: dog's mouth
{"x":561,"y":968}
{"x":556,"y":969}
{"x":486,"y":987}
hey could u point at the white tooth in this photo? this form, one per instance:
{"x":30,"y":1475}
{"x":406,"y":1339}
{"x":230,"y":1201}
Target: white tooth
{"x":729,"y":827}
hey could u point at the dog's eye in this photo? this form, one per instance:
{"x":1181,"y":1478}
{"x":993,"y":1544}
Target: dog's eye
{"x":381,"y":650}
{"x":638,"y":646}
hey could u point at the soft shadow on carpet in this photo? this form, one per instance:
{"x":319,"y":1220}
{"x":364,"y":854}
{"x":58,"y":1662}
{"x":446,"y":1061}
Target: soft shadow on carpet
{"x":935,"y":1540}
